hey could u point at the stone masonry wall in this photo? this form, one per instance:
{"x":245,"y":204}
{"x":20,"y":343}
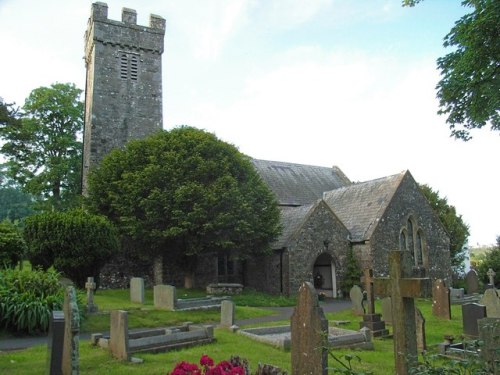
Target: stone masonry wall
{"x":409,"y":201}
{"x":124,"y":84}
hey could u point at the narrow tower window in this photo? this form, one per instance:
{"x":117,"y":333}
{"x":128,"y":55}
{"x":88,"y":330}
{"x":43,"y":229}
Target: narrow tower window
{"x":129,"y":66}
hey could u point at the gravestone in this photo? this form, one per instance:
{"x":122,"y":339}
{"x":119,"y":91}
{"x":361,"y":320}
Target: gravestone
{"x":491,"y":277}
{"x":164,"y":297}
{"x":489,"y":334}
{"x":71,"y":354}
{"x":402,"y":289}
{"x":457,"y":294}
{"x":227,"y":314}
{"x":372,"y":320}
{"x":55,"y":343}
{"x":118,"y":334}
{"x":420,"y":331}
{"x":471,"y":282}
{"x":90,"y":286}
{"x":137,"y":290}
{"x":441,"y":300}
{"x":309,"y":334}
{"x":356,"y":295}
{"x":386,"y":309}
{"x":491,"y":299}
{"x":471,"y":313}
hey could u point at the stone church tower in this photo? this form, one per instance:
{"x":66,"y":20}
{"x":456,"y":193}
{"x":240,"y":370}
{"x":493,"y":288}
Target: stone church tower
{"x":123,"y":94}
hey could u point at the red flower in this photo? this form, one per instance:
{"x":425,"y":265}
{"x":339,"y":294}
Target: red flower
{"x":205,"y":360}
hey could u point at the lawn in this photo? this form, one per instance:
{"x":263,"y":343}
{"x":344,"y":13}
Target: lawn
{"x":98,"y":361}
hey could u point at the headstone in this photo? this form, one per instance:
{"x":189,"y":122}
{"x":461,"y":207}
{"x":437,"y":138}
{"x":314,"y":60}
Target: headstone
{"x":491,"y":299}
{"x":471,"y":313}
{"x":164,"y":297}
{"x":227,"y":313}
{"x":71,"y":354}
{"x":309,"y":334}
{"x":457,"y":294}
{"x":55,"y":343}
{"x":118,"y":334}
{"x":471,"y":282}
{"x":420,"y":330}
{"x":386,"y":309}
{"x":137,"y":290}
{"x":491,"y":276}
{"x":90,"y":286}
{"x":441,"y":300}
{"x":402,"y":289}
{"x":356,"y":295}
{"x":489,"y":334}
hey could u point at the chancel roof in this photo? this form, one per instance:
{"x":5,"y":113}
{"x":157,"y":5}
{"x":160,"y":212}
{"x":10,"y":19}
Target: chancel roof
{"x":360,"y":206}
{"x":298,"y":184}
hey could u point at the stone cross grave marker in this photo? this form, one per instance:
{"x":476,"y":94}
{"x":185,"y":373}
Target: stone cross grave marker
{"x":227,"y":313}
{"x":420,"y":331}
{"x":90,"y":286}
{"x":491,"y":276}
{"x":491,"y":299}
{"x":471,"y":282}
{"x":371,"y":320}
{"x":471,"y":313}
{"x":356,"y":295}
{"x":489,"y":334}
{"x":137,"y":290}
{"x":309,"y":333}
{"x":441,"y":300}
{"x":55,"y":343}
{"x":386,"y":309}
{"x":71,"y":353}
{"x":402,"y":289}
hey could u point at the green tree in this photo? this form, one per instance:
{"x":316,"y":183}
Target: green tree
{"x":469,"y":90}
{"x":352,"y":273}
{"x":12,"y":245}
{"x":41,"y":146}
{"x":14,"y":203}
{"x":184,"y":193}
{"x":74,"y":242}
{"x":457,"y":229}
{"x":490,"y":260}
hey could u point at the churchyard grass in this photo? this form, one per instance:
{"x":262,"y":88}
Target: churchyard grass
{"x":98,"y":361}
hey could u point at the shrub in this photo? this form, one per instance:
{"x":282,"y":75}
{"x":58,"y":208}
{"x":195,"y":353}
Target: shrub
{"x":27,"y":299}
{"x":12,"y":245}
{"x":75,"y":242}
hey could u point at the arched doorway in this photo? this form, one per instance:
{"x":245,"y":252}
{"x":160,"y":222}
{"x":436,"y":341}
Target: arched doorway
{"x":324,"y":277}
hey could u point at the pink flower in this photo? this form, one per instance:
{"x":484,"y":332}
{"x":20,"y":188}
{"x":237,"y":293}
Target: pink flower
{"x":205,"y":360}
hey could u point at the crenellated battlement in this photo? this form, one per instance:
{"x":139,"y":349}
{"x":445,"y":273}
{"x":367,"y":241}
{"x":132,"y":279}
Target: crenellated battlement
{"x":129,"y":16}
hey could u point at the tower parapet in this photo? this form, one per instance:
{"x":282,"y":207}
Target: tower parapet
{"x":123,"y":96}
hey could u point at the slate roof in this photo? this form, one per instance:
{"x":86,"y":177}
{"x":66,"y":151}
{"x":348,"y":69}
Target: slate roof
{"x":298,"y":184}
{"x":360,"y":206}
{"x":292,"y":219}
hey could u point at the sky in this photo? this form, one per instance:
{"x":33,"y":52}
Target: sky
{"x":319,"y":82}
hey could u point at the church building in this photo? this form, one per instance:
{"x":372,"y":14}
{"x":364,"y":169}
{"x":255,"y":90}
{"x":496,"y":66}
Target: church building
{"x":324,"y":215}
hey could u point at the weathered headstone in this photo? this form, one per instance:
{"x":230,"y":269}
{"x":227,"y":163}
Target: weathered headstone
{"x":471,"y":282}
{"x":457,"y":294}
{"x":356,"y":295}
{"x":420,"y":330}
{"x":402,"y":289}
{"x":309,"y":334}
{"x":471,"y":313}
{"x":71,"y":354}
{"x":491,"y":299}
{"x":55,"y":343}
{"x":441,"y":300}
{"x":489,"y":334}
{"x":227,"y":313}
{"x":491,"y":277}
{"x":386,"y":309}
{"x":164,"y":297}
{"x":371,"y":320}
{"x":137,"y":290}
{"x":90,"y":286}
{"x":118,"y":334}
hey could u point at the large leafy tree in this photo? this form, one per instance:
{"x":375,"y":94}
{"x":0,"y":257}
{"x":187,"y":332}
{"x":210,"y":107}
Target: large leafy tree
{"x":469,"y":90}
{"x":41,"y":145}
{"x":14,"y":203}
{"x":457,"y":229}
{"x":184,"y":193}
